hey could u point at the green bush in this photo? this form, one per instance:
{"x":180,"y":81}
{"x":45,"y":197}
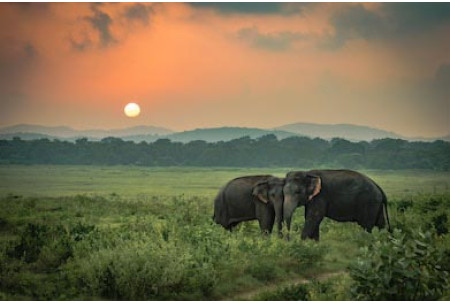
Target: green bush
{"x":146,"y":270}
{"x":48,"y":246}
{"x":403,"y":205}
{"x":306,"y":253}
{"x":31,"y":242}
{"x":263,"y":269}
{"x":298,"y":292}
{"x":404,"y":265}
{"x":332,"y":289}
{"x":440,"y":223}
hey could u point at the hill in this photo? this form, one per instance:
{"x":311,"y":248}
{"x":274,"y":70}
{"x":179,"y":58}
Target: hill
{"x":346,"y":131}
{"x":225,"y":134}
{"x":153,"y":133}
{"x":28,"y":131}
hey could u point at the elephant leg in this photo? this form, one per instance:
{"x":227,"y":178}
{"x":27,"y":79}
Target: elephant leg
{"x":373,"y":217}
{"x":231,"y":226}
{"x":266,"y":224}
{"x":311,"y":229}
{"x":313,"y":218}
{"x":316,"y":235}
{"x":266,"y":219}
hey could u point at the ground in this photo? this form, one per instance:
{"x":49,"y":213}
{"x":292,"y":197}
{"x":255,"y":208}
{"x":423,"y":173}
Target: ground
{"x":121,"y":232}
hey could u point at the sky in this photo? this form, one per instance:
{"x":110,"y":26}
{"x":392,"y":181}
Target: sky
{"x":196,"y":65}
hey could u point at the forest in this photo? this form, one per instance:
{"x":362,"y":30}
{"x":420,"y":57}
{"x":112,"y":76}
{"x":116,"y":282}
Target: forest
{"x":266,"y":151}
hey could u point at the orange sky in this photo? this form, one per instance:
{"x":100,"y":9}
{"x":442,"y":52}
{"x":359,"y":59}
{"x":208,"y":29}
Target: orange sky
{"x":206,"y":65}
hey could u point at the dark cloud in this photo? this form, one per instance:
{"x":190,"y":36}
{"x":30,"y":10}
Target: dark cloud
{"x":409,"y":18}
{"x":273,"y":42}
{"x":354,"y":22}
{"x":139,"y":12}
{"x":257,"y":8}
{"x":29,"y":50}
{"x":101,"y":22}
{"x":80,"y":45}
{"x":443,"y":74}
{"x":13,"y":68}
{"x":32,"y":7}
{"x":395,"y":21}
{"x":441,"y":82}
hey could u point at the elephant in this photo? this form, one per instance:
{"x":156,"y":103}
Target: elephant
{"x":341,"y":195}
{"x":248,"y":198}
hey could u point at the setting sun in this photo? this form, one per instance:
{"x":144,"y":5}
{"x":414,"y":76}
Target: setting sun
{"x":132,"y":110}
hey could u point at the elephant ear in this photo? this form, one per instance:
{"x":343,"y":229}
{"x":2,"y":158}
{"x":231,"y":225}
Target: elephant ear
{"x":260,"y":190}
{"x":315,"y":185}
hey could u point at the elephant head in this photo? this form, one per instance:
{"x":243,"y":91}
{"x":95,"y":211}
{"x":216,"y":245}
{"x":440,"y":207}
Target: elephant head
{"x":300,"y":188}
{"x":270,"y":191}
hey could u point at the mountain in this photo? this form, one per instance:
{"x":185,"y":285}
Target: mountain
{"x":153,"y":133}
{"x":225,"y":134}
{"x":346,"y":131}
{"x":27,"y":136}
{"x":65,"y":132}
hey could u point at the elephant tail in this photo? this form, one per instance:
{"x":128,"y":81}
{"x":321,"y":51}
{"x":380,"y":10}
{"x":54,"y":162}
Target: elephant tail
{"x":386,"y":215}
{"x":385,"y":208}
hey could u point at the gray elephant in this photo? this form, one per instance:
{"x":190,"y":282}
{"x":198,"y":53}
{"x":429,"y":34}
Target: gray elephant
{"x":342,"y":195}
{"x":249,"y":198}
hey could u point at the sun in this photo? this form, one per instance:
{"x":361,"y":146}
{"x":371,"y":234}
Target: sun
{"x":132,"y":110}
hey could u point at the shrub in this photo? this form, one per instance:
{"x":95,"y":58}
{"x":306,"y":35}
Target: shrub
{"x":403,"y":205}
{"x":49,"y":246}
{"x":80,"y":231}
{"x":31,"y":242}
{"x":399,"y":266}
{"x":143,"y":271}
{"x":296,"y":292}
{"x":306,"y":253}
{"x":440,"y":223}
{"x":263,"y":269}
{"x":332,"y":289}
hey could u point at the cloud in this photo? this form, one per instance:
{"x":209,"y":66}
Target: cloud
{"x":412,"y":17}
{"x":273,"y":42}
{"x":139,"y":12}
{"x":256,"y":8}
{"x":353,"y":22}
{"x":101,"y":22}
{"x":441,"y":82}
{"x":443,"y":75}
{"x":80,"y":46}
{"x":392,"y":21}
{"x":30,"y":50}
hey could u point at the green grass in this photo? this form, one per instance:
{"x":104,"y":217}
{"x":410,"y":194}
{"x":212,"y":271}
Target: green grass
{"x":130,"y":181}
{"x":137,"y":233}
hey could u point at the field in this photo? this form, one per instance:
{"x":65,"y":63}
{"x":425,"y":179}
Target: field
{"x":138,"y":233}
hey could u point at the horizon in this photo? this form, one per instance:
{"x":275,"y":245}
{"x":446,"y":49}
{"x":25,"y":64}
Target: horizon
{"x":208,"y":65}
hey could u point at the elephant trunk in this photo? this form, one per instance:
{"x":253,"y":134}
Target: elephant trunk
{"x":288,"y":210}
{"x":279,"y":216}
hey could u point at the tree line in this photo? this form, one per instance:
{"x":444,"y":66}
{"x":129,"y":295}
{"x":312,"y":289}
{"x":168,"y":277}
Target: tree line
{"x":265,"y":151}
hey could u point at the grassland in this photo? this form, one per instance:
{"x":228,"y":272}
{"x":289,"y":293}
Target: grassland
{"x":86,"y":232}
{"x":133,"y":182}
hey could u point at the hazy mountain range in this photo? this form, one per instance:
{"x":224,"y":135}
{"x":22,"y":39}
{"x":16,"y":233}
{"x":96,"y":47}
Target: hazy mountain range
{"x":153,"y":133}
